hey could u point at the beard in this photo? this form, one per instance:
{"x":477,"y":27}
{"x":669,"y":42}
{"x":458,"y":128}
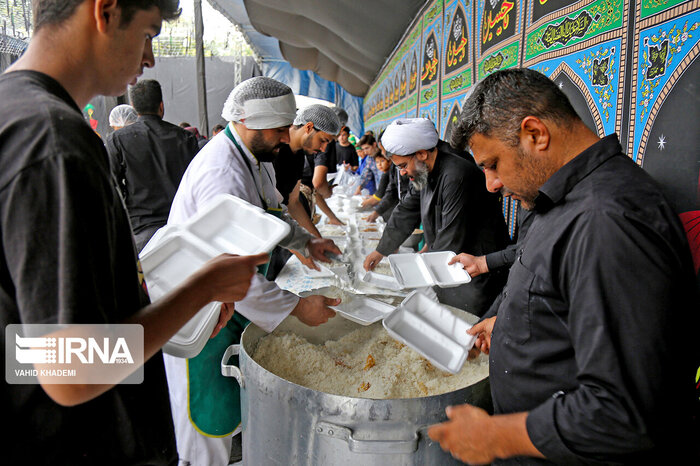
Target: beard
{"x":420,"y":178}
{"x":262,"y":150}
{"x":534,"y":172}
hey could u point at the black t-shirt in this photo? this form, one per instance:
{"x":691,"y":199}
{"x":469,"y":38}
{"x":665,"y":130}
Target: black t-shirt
{"x":328,"y":158}
{"x":289,"y":167}
{"x":346,"y":154}
{"x":68,"y":257}
{"x":149,"y":158}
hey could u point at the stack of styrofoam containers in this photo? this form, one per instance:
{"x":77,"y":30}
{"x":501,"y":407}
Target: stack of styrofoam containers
{"x":226,"y":225}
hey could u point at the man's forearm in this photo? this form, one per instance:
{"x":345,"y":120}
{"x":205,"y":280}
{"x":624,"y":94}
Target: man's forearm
{"x":298,"y":213}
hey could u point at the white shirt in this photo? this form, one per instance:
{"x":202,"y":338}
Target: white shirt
{"x":220,"y":168}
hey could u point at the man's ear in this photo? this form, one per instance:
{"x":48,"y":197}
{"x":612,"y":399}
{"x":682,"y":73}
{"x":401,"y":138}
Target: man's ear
{"x":161,"y":109}
{"x":534,"y":133}
{"x":309,"y":127}
{"x":422,"y":155}
{"x":107,"y":14}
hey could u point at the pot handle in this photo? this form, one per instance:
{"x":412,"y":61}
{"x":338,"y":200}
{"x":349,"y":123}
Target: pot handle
{"x":229,"y":370}
{"x":367,"y":446}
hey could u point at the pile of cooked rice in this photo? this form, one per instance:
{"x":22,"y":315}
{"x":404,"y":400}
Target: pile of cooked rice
{"x":365,"y":363}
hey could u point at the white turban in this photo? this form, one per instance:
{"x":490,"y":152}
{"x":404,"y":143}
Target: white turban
{"x":262,"y":102}
{"x":406,"y":136}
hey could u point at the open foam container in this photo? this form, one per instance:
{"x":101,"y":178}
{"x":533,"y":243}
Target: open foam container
{"x":432,"y":330}
{"x":427,"y":269}
{"x":226,"y":225}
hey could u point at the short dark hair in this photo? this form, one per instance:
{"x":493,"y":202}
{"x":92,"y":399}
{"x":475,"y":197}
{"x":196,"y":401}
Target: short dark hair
{"x":217,"y":128}
{"x":367,"y":139}
{"x":145,"y":96}
{"x":501,"y":101}
{"x":47,"y":12}
{"x":184,"y":124}
{"x":344,"y":129}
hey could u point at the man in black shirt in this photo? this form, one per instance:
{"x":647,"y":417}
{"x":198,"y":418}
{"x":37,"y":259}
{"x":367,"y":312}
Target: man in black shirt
{"x":345,"y":153}
{"x":312,"y":131}
{"x":67,"y":250}
{"x":592,"y":352}
{"x":148,"y":159}
{"x":448,"y":197}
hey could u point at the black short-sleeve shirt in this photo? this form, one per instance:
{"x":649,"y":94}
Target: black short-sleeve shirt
{"x":68,"y":257}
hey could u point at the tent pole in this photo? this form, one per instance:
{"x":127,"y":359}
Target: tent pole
{"x":201,"y":74}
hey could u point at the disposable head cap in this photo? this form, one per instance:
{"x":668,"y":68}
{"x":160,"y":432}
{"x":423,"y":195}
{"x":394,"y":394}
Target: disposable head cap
{"x":342,"y":115}
{"x":263,"y":103}
{"x":406,"y":136}
{"x":122,"y":115}
{"x":322,"y":117}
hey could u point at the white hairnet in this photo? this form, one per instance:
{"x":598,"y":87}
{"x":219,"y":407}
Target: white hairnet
{"x":122,"y":115}
{"x":406,"y":136}
{"x":322,"y":117}
{"x":342,"y":115}
{"x":262,"y":102}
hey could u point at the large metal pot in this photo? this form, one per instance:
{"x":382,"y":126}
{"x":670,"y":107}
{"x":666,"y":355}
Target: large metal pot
{"x":287,"y":424}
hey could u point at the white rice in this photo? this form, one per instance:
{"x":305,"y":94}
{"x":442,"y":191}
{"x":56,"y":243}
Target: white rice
{"x":343,"y":367}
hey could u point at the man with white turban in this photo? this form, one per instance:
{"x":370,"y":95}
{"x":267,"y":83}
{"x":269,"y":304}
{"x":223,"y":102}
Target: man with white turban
{"x":237,"y":161}
{"x":448,"y":195}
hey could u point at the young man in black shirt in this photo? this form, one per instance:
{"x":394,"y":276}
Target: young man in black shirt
{"x":68,"y":253}
{"x":592,"y":348}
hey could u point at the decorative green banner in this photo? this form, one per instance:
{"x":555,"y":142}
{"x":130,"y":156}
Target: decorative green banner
{"x":596,"y":18}
{"x":651,"y":7}
{"x":458,"y":83}
{"x":428,"y":94}
{"x":507,"y":57}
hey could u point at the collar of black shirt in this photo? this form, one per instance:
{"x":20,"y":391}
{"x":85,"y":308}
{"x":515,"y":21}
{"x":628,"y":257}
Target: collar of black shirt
{"x":563,"y":181}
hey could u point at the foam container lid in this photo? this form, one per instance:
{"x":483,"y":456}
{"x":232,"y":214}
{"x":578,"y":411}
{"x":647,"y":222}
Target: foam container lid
{"x":231,"y":225}
{"x":167,"y":265}
{"x":432,"y":330}
{"x":363,"y":310}
{"x":427,"y":269}
{"x":226,"y":224}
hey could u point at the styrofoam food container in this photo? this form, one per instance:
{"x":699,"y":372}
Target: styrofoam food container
{"x":363,"y":310}
{"x":432,"y":330}
{"x":381,"y":281}
{"x":427,"y":269}
{"x":232,"y":225}
{"x":167,"y":265}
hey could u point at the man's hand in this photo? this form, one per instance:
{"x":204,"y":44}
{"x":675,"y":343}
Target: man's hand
{"x":318,"y":246}
{"x":466,"y":436}
{"x":371,"y":218}
{"x":474,"y":437}
{"x":335,"y":221}
{"x":369,"y":202}
{"x":483,"y":331}
{"x":474,"y":265}
{"x":307,"y":261}
{"x":225,"y":314}
{"x":372,"y":260}
{"x":227,"y":277}
{"x":313,"y":310}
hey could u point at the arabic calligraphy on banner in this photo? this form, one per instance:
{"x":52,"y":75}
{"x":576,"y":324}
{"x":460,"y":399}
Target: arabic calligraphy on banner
{"x":431,"y":61}
{"x":457,"y":43}
{"x":498,"y":22}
